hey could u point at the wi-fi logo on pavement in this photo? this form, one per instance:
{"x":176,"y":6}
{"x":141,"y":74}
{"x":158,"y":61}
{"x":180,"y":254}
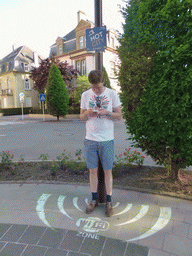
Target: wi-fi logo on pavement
{"x":120,"y":219}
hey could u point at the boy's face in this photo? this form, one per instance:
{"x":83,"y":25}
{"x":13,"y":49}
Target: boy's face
{"x":97,"y":88}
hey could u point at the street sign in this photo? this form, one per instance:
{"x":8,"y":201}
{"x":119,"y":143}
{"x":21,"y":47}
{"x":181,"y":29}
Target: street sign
{"x":96,"y":39}
{"x":21,"y":95}
{"x":42,"y":97}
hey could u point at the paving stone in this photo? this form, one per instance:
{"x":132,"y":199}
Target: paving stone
{"x":135,"y":250}
{"x":188,"y":217}
{"x":181,"y":229}
{"x":78,"y":254}
{"x":3,"y":229}
{"x":177,"y":245}
{"x":56,"y":252}
{"x":34,"y":251}
{"x":52,"y":238}
{"x":190,"y":232}
{"x":114,"y":247}
{"x":72,"y":241}
{"x":154,"y":252}
{"x":12,"y":249}
{"x":32,"y":235}
{"x":155,"y":241}
{"x":2,"y":244}
{"x":93,"y":245}
{"x":14,"y":233}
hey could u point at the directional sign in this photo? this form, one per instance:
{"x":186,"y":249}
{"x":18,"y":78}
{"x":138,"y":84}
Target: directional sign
{"x":21,"y":95}
{"x":42,"y":97}
{"x":96,"y":39}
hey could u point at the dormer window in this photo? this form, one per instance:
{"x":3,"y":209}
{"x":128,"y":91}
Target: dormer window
{"x":81,"y":42}
{"x":26,"y":67}
{"x":60,"y":49}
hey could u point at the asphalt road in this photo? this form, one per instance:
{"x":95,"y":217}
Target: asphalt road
{"x":32,"y":137}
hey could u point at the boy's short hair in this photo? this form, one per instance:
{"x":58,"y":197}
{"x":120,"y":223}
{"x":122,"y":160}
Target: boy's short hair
{"x":96,"y":77}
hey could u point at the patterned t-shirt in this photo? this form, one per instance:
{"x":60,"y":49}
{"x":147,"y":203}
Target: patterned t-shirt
{"x":100,"y":128}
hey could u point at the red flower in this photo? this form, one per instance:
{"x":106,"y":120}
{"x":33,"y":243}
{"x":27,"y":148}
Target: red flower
{"x":124,"y":153}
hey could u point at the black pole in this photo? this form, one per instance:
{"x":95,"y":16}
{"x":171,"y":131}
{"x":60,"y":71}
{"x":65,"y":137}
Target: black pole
{"x":98,"y":23}
{"x":99,"y":65}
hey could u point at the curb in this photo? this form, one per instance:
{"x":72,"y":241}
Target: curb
{"x":74,"y":116}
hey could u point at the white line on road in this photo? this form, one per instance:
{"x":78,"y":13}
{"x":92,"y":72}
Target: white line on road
{"x":40,"y":208}
{"x":163,"y":220}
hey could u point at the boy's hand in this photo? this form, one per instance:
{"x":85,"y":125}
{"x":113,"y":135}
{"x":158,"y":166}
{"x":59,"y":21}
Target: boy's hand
{"x":90,"y":112}
{"x":102,"y":112}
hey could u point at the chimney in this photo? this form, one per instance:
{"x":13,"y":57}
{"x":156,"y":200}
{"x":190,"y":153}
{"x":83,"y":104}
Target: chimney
{"x":80,"y":15}
{"x":36,"y":60}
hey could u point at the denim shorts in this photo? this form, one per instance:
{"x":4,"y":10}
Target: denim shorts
{"x":93,"y":150}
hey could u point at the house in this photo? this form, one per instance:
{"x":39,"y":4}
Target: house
{"x":72,"y":48}
{"x":15,"y":78}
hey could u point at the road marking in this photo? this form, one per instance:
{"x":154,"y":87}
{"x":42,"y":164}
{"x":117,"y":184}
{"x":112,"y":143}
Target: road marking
{"x":60,"y":203}
{"x":40,"y":208}
{"x":162,"y":221}
{"x":143,"y":211}
{"x":94,"y":224}
{"x":75,"y":199}
{"x":129,"y":206}
{"x":7,"y":123}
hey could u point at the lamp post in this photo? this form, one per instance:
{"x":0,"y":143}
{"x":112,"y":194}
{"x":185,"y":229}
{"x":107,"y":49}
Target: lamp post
{"x":98,"y":23}
{"x":99,"y":65}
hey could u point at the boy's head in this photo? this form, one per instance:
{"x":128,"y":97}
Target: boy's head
{"x":96,"y":77}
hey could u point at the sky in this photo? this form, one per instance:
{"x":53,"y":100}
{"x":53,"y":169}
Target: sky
{"x":37,"y":23}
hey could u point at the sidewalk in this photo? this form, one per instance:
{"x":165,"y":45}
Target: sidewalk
{"x":49,"y":219}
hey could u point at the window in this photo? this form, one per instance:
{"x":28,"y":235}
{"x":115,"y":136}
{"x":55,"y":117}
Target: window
{"x":28,"y":102}
{"x":78,"y":63}
{"x":112,"y":42}
{"x":26,"y":67}
{"x":60,"y":49}
{"x":112,"y":68}
{"x":83,"y":68}
{"x":8,"y":83}
{"x":27,"y":84}
{"x":81,"y":42}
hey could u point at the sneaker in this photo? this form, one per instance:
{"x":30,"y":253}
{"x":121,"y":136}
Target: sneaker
{"x":91,"y":206}
{"x":109,"y":209}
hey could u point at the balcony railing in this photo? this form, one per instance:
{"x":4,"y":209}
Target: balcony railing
{"x":6,"y":92}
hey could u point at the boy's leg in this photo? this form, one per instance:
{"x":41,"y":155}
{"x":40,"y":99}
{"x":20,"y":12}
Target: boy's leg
{"x":93,"y":179}
{"x":93,"y":184}
{"x":109,"y":186}
{"x":108,"y":182}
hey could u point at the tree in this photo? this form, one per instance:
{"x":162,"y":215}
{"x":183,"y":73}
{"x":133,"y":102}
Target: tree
{"x":107,"y":81}
{"x":39,"y":75}
{"x":81,"y":84}
{"x":56,"y":93}
{"x":160,"y":120}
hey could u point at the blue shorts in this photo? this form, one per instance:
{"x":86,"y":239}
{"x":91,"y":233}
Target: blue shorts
{"x":93,"y":150}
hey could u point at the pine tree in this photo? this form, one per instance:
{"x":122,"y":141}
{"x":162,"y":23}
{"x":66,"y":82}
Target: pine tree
{"x":107,"y":81}
{"x":155,"y":78}
{"x":56,"y":93}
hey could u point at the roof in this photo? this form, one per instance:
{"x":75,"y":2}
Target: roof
{"x":12,"y":55}
{"x":70,"y":36}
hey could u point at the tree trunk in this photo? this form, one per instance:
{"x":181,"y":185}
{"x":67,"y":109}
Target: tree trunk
{"x":57,"y":118}
{"x":174,"y":171}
